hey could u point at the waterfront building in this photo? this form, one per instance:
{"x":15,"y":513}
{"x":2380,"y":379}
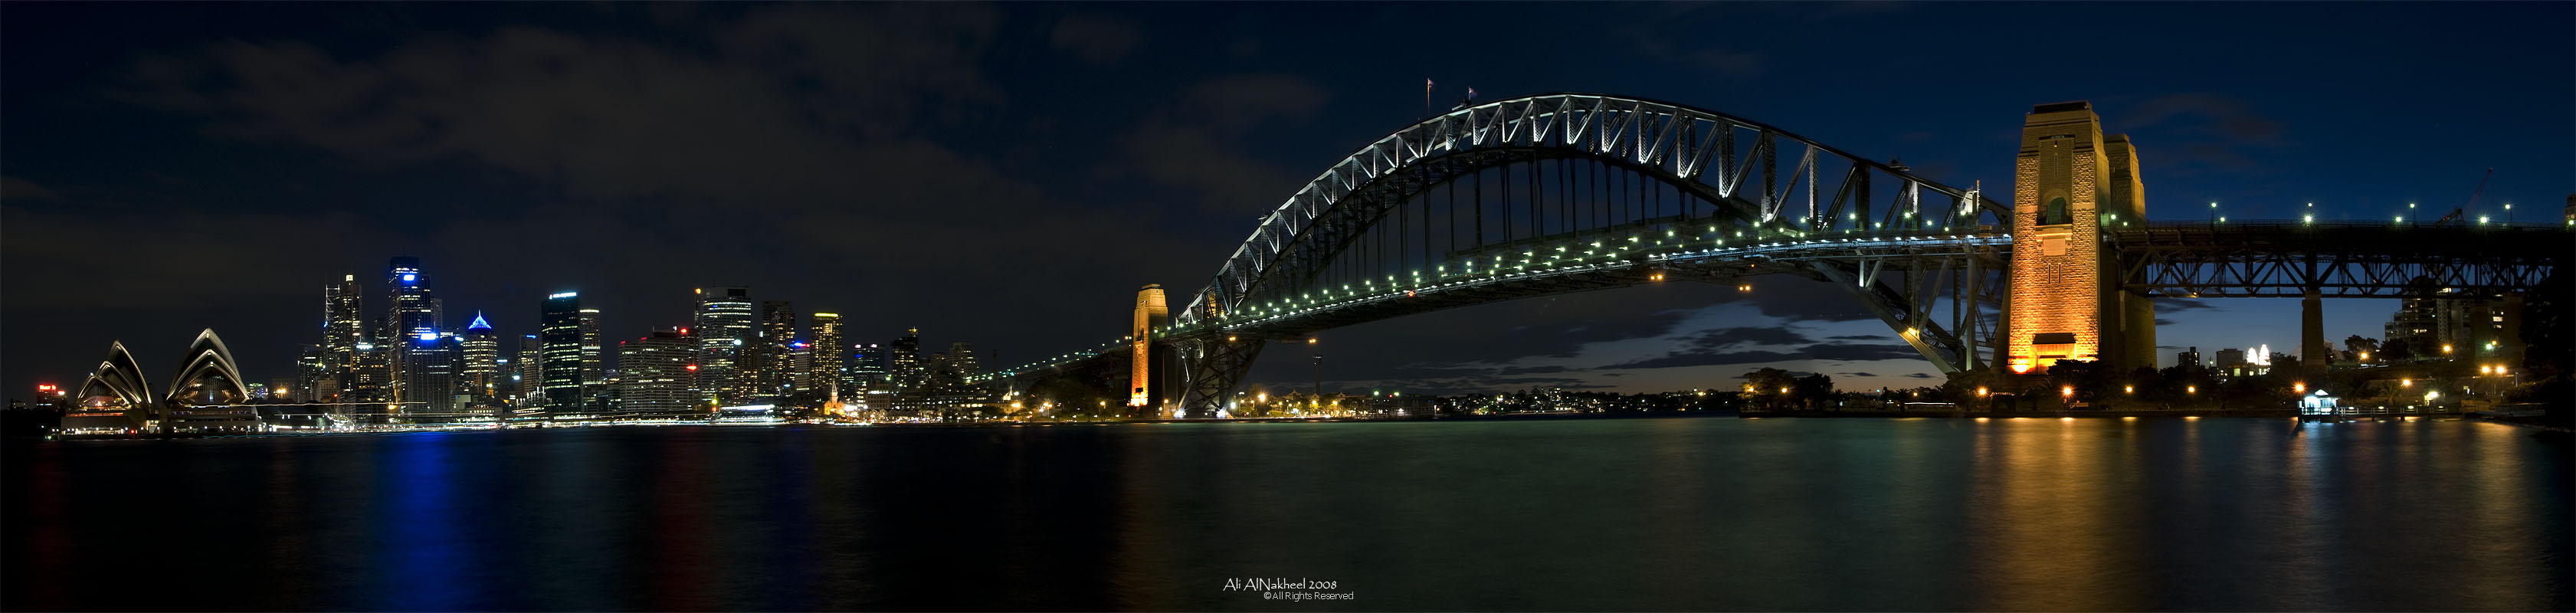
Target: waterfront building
{"x":2188,"y":358}
{"x":725,"y":330}
{"x":560,"y":368}
{"x":482,"y":366}
{"x":2430,"y":318}
{"x":656,"y":374}
{"x":429,"y":386}
{"x":209,"y":395}
{"x":114,"y":399}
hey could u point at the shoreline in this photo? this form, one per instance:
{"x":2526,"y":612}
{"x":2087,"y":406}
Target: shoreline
{"x":1526,"y":416}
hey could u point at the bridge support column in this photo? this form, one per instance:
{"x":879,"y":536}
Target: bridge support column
{"x":2068,"y":296}
{"x":2313,"y":354}
{"x":1151,"y":314}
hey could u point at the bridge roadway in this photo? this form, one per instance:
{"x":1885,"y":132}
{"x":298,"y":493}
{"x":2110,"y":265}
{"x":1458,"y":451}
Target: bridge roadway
{"x":2166,"y":259}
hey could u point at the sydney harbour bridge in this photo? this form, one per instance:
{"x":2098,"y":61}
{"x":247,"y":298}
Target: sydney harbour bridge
{"x":1559,"y":193}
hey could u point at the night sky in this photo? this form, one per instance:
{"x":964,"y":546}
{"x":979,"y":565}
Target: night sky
{"x":1008,"y":175}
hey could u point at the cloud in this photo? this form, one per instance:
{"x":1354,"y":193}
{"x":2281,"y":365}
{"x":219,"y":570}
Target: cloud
{"x":1722,"y":338}
{"x":1097,"y":40}
{"x":1727,"y":63}
{"x":1719,"y":61}
{"x":2176,"y":305}
{"x":1822,"y":351}
{"x":14,"y":188}
{"x":2211,"y":114}
{"x":2212,"y":132}
{"x":793,"y":101}
{"x":1918,"y":375}
{"x":1199,"y":144}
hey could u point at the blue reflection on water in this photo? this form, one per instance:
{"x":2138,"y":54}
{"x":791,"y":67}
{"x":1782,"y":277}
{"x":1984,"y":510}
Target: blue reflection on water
{"x":418,"y":560}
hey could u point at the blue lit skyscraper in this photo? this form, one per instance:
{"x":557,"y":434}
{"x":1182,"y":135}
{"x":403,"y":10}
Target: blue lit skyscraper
{"x":481,"y":369}
{"x":422,"y":371}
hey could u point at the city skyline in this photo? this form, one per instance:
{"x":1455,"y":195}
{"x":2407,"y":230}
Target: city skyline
{"x":904,"y":256}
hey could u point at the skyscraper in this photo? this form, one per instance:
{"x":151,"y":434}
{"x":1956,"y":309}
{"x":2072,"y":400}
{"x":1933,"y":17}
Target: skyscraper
{"x":428,"y":383}
{"x":482,"y":367}
{"x":309,"y":375}
{"x":593,"y":374}
{"x":410,"y":332}
{"x":725,"y":331}
{"x":800,"y":369}
{"x":560,"y":336}
{"x":903,"y":362}
{"x":868,"y":367}
{"x":775,"y":364}
{"x":826,"y":338}
{"x":949,"y":369}
{"x":654,"y":373}
{"x":531,"y":375}
{"x":412,"y":309}
{"x":344,"y":326}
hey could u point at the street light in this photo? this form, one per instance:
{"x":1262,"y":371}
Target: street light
{"x":1319,"y":372}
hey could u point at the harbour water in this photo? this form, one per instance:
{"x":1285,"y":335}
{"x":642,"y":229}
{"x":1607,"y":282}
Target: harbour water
{"x":1565,"y":514}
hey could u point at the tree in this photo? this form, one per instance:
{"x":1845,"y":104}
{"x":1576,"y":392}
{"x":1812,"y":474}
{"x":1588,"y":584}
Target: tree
{"x":1768,"y":385}
{"x":2392,"y":353}
{"x":2088,"y":377}
{"x":1815,"y":390}
{"x":1963,"y":385}
{"x":2359,"y":344}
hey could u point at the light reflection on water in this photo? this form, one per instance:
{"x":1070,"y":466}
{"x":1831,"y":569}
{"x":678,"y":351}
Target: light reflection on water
{"x":1679,"y":513}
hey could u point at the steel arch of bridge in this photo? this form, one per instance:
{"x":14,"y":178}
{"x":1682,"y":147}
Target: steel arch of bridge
{"x":1705,"y":153}
{"x":1812,"y":205}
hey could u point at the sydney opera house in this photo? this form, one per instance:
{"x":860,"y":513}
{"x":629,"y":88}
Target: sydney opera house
{"x":207,"y":396}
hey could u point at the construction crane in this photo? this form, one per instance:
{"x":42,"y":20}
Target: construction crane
{"x":2473,"y":200}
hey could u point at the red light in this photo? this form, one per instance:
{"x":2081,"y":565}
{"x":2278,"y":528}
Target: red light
{"x":693,"y":367}
{"x":45,"y":387}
